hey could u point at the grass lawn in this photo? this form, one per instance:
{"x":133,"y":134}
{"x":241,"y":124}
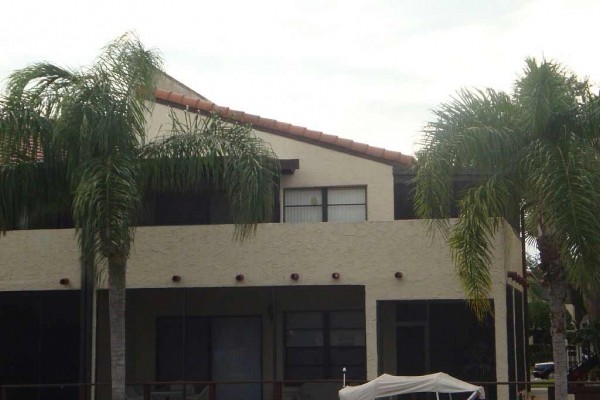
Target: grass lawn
{"x":542,"y":383}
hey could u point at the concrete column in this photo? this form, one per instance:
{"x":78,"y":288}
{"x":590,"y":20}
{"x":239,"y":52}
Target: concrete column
{"x":371,"y":334}
{"x":501,"y":340}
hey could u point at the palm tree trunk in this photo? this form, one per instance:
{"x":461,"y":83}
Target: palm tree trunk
{"x":557,"y":297}
{"x":556,"y":283}
{"x":116,"y":310}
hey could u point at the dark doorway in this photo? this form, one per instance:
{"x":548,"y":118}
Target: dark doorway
{"x":411,"y":350}
{"x":39,"y":343}
{"x":236,"y":356}
{"x":437,"y":336}
{"x":211,"y":349}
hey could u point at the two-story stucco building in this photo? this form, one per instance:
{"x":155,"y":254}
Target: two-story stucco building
{"x":343,"y":277}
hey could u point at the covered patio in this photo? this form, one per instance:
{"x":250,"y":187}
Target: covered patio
{"x":244,"y":334}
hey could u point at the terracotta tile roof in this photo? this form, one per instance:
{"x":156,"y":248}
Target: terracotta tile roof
{"x":284,"y":129}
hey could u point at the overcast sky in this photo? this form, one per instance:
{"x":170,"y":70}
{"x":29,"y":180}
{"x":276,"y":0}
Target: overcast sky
{"x":365,"y":70}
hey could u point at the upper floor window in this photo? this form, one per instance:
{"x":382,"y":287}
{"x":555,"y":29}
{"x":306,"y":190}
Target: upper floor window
{"x":347,"y":204}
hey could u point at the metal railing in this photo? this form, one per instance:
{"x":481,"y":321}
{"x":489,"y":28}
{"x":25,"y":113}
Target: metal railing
{"x":174,"y":390}
{"x":264,"y":389}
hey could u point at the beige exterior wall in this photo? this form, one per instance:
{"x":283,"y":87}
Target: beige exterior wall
{"x":318,"y":167}
{"x":158,"y":123}
{"x":167,"y":82}
{"x":323,"y":167}
{"x":512,"y":249}
{"x":365,"y":254}
{"x":38,"y":260}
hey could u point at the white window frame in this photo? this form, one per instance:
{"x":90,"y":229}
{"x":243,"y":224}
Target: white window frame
{"x":324,"y":200}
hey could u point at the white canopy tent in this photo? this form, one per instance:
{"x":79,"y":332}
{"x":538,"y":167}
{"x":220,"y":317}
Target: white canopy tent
{"x":388,"y":385}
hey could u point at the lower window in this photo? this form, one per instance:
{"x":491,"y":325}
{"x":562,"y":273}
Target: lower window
{"x":318,"y":345}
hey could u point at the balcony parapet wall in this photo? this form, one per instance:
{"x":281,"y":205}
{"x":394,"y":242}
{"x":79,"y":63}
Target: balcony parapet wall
{"x":365,"y":253}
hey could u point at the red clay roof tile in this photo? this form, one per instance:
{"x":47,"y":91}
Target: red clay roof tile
{"x":360,"y":147}
{"x":343,"y":142}
{"x":238,"y":115}
{"x":285,"y":129}
{"x":314,"y":135}
{"x":375,"y":151}
{"x":221,"y":110}
{"x":327,"y":138}
{"x":251,"y":119}
{"x":282,"y":126}
{"x":198,"y":103}
{"x":266,"y":122}
{"x":297,"y":130}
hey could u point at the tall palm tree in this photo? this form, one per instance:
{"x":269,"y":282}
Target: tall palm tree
{"x":78,"y":138}
{"x":538,"y":148}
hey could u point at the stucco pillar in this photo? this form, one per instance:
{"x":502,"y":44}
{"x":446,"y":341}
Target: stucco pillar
{"x":501,"y":340}
{"x":371,"y":334}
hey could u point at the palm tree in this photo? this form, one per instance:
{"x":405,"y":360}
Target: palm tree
{"x":536,"y":148}
{"x":77,"y":138}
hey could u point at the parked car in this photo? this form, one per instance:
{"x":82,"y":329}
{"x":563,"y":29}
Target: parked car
{"x":544,"y":370}
{"x":581,"y":370}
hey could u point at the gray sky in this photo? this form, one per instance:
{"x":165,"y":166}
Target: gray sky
{"x":365,"y":70}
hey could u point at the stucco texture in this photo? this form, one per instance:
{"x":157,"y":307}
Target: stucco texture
{"x":38,"y":260}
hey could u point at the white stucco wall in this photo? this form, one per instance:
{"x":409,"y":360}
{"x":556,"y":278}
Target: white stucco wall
{"x":365,"y":253}
{"x":512,"y":249}
{"x":38,"y":260}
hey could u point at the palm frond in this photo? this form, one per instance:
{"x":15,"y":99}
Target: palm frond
{"x":25,"y":134}
{"x":130,"y":71}
{"x":566,"y":181}
{"x":474,"y":129}
{"x":105,"y":114}
{"x":471,"y":238}
{"x":39,"y":85}
{"x":471,"y":133}
{"x":29,"y":190}
{"x":207,"y":150}
{"x":547,"y":100}
{"x":106,"y":204}
{"x":90,"y":124}
{"x":433,"y":194}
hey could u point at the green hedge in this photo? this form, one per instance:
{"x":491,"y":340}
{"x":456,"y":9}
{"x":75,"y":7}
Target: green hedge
{"x":539,"y":353}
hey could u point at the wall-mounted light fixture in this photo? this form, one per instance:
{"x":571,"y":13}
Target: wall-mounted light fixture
{"x":295,"y":276}
{"x":335,"y":275}
{"x":398,"y":275}
{"x":64,"y":281}
{"x":240,"y":277}
{"x":176,"y":278}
